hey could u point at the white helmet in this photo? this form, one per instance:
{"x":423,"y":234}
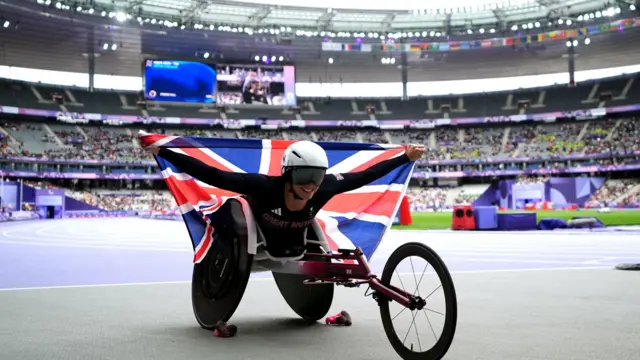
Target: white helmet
{"x":305,"y":155}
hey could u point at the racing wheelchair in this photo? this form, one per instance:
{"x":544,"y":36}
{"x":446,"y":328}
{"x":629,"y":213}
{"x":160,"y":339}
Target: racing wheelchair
{"x":306,"y":279}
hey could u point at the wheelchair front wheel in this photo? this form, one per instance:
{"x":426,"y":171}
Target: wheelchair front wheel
{"x":441,"y":303}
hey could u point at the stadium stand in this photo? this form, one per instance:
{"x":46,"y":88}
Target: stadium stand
{"x":423,"y":199}
{"x":117,"y":200}
{"x":504,"y":142}
{"x":615,"y":191}
{"x":587,"y":95}
{"x":56,"y":141}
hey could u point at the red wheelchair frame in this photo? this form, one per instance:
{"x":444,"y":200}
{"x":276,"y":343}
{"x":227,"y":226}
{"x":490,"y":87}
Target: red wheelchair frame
{"x":320,"y":270}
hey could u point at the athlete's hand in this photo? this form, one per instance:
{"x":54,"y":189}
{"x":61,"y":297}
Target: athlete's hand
{"x":415,"y":152}
{"x":153,"y":150}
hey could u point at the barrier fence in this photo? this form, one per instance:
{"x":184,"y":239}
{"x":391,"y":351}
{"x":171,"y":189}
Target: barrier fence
{"x":145,"y":214}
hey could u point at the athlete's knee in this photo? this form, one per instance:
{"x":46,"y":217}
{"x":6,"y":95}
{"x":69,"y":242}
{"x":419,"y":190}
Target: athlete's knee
{"x":233,"y":217}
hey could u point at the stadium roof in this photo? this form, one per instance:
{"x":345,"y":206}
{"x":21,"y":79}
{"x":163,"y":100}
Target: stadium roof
{"x":52,"y":35}
{"x":357,"y":15}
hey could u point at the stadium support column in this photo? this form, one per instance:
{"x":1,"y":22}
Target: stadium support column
{"x":404,"y":74}
{"x":92,"y":70}
{"x":572,"y":62}
{"x":91,"y":58}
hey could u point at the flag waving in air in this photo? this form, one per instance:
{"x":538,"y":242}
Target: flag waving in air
{"x":357,"y":218}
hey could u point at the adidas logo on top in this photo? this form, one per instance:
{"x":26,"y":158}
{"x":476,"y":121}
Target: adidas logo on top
{"x":277,"y":211}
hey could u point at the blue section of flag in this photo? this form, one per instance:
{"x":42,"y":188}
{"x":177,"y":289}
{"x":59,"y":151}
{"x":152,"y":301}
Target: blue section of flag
{"x":397,"y":176}
{"x":368,"y":233}
{"x":335,"y":156}
{"x":195,"y":225}
{"x":247,"y":159}
{"x":164,"y":164}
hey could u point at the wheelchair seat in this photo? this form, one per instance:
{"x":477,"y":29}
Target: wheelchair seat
{"x":236,"y":215}
{"x":314,"y":238}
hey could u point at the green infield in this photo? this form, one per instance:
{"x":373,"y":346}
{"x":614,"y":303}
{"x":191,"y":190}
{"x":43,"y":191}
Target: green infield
{"x":442,"y":220}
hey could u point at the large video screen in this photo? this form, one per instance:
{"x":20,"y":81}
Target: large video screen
{"x":179,"y":81}
{"x":183,"y":81}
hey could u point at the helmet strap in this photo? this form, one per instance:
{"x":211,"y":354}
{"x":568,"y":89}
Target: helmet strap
{"x":295,"y":195}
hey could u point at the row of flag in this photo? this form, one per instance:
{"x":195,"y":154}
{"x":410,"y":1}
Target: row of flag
{"x":618,"y":25}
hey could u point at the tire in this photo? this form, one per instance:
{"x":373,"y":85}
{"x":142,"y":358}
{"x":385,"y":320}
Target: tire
{"x":310,"y":302}
{"x":441,"y":347}
{"x":215,"y":298}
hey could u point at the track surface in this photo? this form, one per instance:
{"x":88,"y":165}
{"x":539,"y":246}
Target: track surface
{"x":118,"y":288}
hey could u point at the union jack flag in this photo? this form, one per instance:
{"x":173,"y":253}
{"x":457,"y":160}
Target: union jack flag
{"x":358,"y":218}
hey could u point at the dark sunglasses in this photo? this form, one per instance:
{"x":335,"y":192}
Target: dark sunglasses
{"x":304,"y":176}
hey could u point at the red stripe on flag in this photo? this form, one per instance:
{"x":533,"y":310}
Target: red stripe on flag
{"x":332,"y":244}
{"x":200,"y":155}
{"x":381,"y":204}
{"x":150,"y":139}
{"x":277,"y":150}
{"x":281,"y":144}
{"x":204,"y":244}
{"x":384,"y":156}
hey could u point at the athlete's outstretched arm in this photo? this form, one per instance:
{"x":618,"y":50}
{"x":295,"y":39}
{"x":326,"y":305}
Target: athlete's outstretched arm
{"x":237,"y":182}
{"x":355,"y":180}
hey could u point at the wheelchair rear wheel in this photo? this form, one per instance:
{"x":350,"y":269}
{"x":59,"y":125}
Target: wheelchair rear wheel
{"x":310,"y":302}
{"x":219,"y":281}
{"x":421,"y":337}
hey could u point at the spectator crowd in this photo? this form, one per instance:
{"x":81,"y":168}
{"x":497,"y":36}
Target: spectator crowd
{"x":423,"y":199}
{"x":448,"y":143}
{"x":65,"y":142}
{"x":616,"y":193}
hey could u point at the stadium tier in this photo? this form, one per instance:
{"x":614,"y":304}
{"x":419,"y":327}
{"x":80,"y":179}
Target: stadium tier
{"x":53,"y":149}
{"x":590,"y":95}
{"x":490,"y":147}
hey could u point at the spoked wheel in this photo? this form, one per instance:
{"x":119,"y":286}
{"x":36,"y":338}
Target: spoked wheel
{"x":220,"y":280}
{"x":424,"y":334}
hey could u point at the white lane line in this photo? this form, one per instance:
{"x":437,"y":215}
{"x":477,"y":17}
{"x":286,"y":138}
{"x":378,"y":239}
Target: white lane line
{"x":57,"y":230}
{"x":164,"y":247}
{"x":79,"y":245}
{"x":600,"y":261}
{"x":527,"y":255}
{"x":270,"y":278}
{"x":115,"y":240}
{"x":519,"y":260}
{"x":133,"y":242}
{"x":93,"y":286}
{"x":60,"y":240}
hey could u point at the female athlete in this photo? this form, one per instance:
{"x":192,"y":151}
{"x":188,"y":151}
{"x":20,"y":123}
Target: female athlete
{"x":285,"y":206}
